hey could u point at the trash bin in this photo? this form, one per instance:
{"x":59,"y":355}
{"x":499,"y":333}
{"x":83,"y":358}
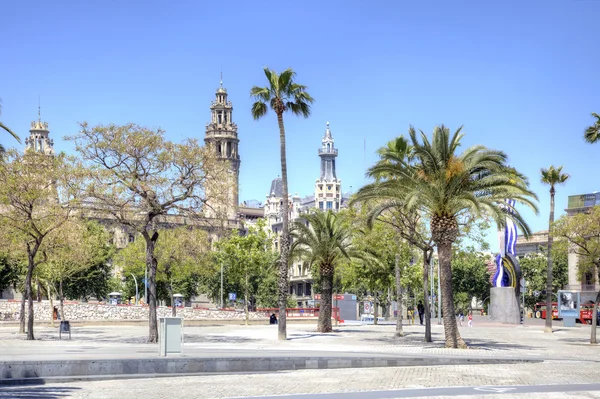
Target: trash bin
{"x":65,"y":327}
{"x":170,"y":336}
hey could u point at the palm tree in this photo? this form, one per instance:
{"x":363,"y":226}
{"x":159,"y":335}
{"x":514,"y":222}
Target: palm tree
{"x":282,"y":94}
{"x":389,"y":208}
{"x":325,"y":242}
{"x":3,"y":126}
{"x":551,"y":176}
{"x":592,"y":133}
{"x":451,"y":189}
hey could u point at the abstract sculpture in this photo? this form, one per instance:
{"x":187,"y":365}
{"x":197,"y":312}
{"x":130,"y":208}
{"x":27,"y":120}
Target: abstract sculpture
{"x":508,"y":270}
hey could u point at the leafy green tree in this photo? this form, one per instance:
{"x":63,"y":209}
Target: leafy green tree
{"x":93,"y":281}
{"x":10,"y":268}
{"x":139,"y":179}
{"x":534,"y":267}
{"x":386,"y":197}
{"x":551,"y":176}
{"x":6,"y":129}
{"x":282,"y":94}
{"x":248,"y":259}
{"x":66,"y":252}
{"x":592,"y":133}
{"x":582,"y":232}
{"x":325,"y":242}
{"x":37,"y":194}
{"x":182,"y":254}
{"x":470,"y":277}
{"x":451,"y":189}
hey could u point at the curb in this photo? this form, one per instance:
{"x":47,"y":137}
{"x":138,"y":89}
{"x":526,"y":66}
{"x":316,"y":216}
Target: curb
{"x":38,"y":372}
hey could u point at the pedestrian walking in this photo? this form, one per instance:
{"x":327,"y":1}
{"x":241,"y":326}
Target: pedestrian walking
{"x":421,"y":310}
{"x":461,"y":317}
{"x":470,"y":319}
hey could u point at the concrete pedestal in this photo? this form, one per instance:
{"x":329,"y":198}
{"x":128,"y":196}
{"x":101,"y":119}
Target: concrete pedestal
{"x":504,"y":307}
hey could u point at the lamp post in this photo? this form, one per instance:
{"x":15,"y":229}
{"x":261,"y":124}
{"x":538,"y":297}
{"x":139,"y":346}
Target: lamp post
{"x":137,"y":295}
{"x":221,"y":285}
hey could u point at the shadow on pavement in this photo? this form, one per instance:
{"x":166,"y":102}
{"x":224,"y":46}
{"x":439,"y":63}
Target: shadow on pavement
{"x":216,"y":339}
{"x":36,"y":392}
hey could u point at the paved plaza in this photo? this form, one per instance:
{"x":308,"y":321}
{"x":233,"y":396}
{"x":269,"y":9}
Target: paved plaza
{"x":567,"y":358}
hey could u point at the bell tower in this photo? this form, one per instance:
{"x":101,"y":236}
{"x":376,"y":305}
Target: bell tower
{"x":39,"y":140}
{"x":222,"y":136}
{"x":328,"y":188}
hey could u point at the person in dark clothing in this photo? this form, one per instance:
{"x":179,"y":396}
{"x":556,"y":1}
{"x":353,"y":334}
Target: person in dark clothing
{"x":421,"y":310}
{"x":273,"y":319}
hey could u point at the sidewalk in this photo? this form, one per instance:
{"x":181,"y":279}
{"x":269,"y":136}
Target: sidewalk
{"x":485,"y":339}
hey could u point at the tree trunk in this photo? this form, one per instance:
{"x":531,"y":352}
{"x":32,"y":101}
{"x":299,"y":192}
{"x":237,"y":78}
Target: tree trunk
{"x":453,"y":339}
{"x":548,"y":325}
{"x":594,"y":319}
{"x":283,"y":284}
{"x":152,"y":265}
{"x":61,"y":301}
{"x":31,"y":252}
{"x":426,"y":260}
{"x":375,"y":309}
{"x":324,"y":324}
{"x":22,"y":314}
{"x":246,"y":300}
{"x":399,"y":295}
{"x":173,"y":304}
{"x":39,"y":290}
{"x":51,"y":304}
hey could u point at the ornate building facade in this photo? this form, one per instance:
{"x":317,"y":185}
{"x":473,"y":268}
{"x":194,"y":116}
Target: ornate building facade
{"x":327,"y":196}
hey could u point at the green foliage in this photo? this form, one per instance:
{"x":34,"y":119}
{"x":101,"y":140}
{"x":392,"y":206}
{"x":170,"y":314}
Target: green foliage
{"x":182,"y":254}
{"x":94,"y":280}
{"x":249,"y":269}
{"x":10,"y":270}
{"x":592,"y":133}
{"x":582,"y":232}
{"x":470,"y":277}
{"x":534,"y":266}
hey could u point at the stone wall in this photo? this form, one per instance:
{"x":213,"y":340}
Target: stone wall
{"x":10,"y":311}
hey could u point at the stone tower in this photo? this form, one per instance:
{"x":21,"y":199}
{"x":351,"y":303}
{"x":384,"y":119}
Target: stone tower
{"x":328,"y":188}
{"x":39,"y":139}
{"x":222,"y":136}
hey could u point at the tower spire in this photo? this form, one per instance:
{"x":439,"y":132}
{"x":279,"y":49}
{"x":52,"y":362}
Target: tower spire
{"x":39,"y":109}
{"x":221,"y":78}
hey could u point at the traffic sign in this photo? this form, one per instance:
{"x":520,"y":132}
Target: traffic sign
{"x":232,"y":296}
{"x":367,"y":307}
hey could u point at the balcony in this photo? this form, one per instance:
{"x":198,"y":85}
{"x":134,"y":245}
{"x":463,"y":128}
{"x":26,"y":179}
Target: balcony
{"x":331,"y":151}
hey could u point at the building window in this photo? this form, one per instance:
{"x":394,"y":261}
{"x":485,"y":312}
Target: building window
{"x":321,"y":205}
{"x":329,"y":205}
{"x":299,"y":270}
{"x":292,"y":289}
{"x":300,"y":290}
{"x":308,"y":289}
{"x":131,"y":238}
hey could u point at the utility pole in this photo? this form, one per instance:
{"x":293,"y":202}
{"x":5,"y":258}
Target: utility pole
{"x":146,"y":286}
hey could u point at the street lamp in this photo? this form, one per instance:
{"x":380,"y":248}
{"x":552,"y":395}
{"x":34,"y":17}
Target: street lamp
{"x":137,"y":295}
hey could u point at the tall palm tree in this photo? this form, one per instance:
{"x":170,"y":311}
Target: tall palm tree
{"x":281,"y":95}
{"x":592,"y":133}
{"x":325,"y":242}
{"x":551,"y":176}
{"x":390,"y":208}
{"x":4,"y":127}
{"x":450,"y":189}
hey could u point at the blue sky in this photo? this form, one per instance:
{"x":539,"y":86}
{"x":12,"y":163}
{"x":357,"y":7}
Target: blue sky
{"x":520,"y":76}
